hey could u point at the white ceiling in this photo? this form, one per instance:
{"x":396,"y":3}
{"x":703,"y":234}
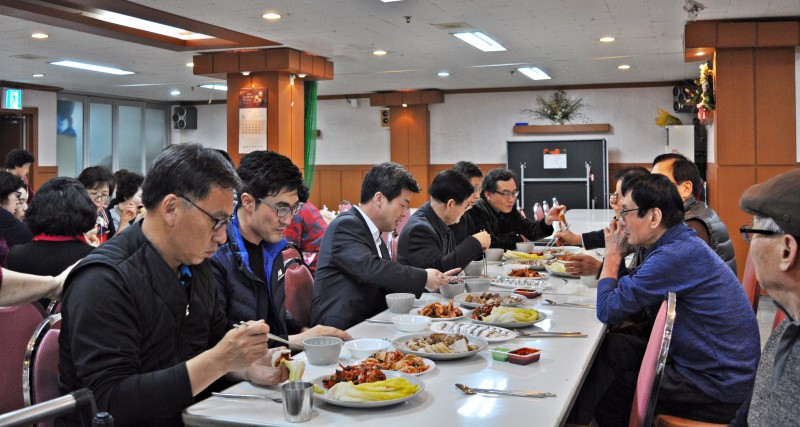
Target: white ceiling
{"x":558,"y":36}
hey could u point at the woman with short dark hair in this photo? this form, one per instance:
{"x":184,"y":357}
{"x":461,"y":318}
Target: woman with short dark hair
{"x":12,"y":230}
{"x":126,"y":207}
{"x":99,"y":183}
{"x":58,"y":216}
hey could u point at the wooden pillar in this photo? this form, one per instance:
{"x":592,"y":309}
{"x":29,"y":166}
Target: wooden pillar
{"x":278,"y":71}
{"x":410,"y":133}
{"x":754,"y":128}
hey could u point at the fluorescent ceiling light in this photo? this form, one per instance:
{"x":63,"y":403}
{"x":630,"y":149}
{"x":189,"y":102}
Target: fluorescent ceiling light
{"x":175,"y":93}
{"x":390,"y":1}
{"x":38,"y":75}
{"x":701,"y":53}
{"x":190,"y":64}
{"x":379,"y":52}
{"x":271,"y":16}
{"x":39,"y":35}
{"x":624,"y":67}
{"x":534,"y":73}
{"x":443,"y":74}
{"x":481,"y":41}
{"x":141,"y":24}
{"x":215,"y":87}
{"x":92,"y":67}
{"x":607,"y":39}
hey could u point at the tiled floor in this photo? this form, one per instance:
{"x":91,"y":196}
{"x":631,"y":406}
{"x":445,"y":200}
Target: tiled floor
{"x":765,"y":315}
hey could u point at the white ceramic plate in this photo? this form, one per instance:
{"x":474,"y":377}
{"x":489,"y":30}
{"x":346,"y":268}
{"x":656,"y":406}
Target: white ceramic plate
{"x":372,"y":404}
{"x":516,"y":255}
{"x":471,"y":329}
{"x":538,"y":284}
{"x":542,"y":317}
{"x":399,"y":343}
{"x":430,"y":363}
{"x":558,"y":273}
{"x":533,"y":264}
{"x":542,"y":277}
{"x":437,"y":319}
{"x":506,"y":296}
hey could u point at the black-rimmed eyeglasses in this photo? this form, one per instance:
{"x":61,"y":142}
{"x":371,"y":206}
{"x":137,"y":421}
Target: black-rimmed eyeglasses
{"x":507,"y":194}
{"x":747,"y":232}
{"x":283,"y":210}
{"x":218,"y":223}
{"x":624,"y":212}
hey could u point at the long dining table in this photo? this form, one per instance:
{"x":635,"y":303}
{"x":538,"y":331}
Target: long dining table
{"x":561,"y":370}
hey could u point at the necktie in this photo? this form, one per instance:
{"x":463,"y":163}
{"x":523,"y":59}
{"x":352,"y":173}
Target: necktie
{"x":384,"y":250}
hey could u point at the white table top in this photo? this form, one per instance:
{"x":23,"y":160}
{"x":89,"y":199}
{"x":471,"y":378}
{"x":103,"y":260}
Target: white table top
{"x":561,"y":370}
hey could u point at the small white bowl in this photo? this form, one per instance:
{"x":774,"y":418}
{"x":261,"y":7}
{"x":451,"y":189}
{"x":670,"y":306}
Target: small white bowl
{"x":526,"y":247}
{"x":411,"y":323}
{"x":364,"y":347}
{"x":494,"y":254}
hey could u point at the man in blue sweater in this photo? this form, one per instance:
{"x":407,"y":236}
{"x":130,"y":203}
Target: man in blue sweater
{"x":715,"y":342}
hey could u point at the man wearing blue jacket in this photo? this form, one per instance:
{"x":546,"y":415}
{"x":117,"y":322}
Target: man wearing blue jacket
{"x":249,"y":267}
{"x":715,"y":341}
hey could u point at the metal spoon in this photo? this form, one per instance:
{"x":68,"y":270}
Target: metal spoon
{"x":469,"y":390}
{"x":570,"y":304}
{"x":247,"y":396}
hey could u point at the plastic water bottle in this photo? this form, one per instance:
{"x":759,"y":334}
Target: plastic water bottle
{"x":555,"y":202}
{"x":538,"y":213}
{"x":545,"y":206}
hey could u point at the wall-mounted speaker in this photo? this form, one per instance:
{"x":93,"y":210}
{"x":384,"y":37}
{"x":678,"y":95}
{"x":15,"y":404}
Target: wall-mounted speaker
{"x":680,"y":94}
{"x":184,"y":117}
{"x":385,"y":118}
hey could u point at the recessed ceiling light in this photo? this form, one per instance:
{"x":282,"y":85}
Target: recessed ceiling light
{"x":481,"y":41}
{"x":92,"y":67}
{"x":607,"y":39}
{"x":701,"y":53}
{"x":389,"y":1}
{"x":271,"y":16}
{"x":39,"y":35}
{"x":190,"y":64}
{"x":534,"y":73}
{"x":624,"y":67}
{"x":215,"y":87}
{"x":175,"y":93}
{"x":245,"y":73}
{"x":379,"y":52}
{"x":443,"y":74}
{"x":38,"y":75}
{"x":405,"y":105}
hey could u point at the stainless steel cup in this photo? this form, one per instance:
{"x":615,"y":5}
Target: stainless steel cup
{"x":297,"y":401}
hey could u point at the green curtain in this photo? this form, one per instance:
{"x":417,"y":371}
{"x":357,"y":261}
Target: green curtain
{"x":310,"y":163}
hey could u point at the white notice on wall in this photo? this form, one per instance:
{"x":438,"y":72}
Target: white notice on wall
{"x":555,"y":161}
{"x":252,"y":129}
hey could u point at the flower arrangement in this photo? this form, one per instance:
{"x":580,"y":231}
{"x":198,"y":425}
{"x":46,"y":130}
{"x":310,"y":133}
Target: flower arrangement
{"x":707,"y":100}
{"x":558,"y":108}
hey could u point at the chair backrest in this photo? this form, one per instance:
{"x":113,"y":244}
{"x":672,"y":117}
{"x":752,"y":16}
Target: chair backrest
{"x":299,"y":293}
{"x":291,"y":257}
{"x":779,"y":317}
{"x":652,"y":369}
{"x":53,"y":308}
{"x":40,"y":369}
{"x":750,"y":283}
{"x":17,"y":324}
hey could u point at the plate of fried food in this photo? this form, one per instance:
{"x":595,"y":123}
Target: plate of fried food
{"x":507,"y":317}
{"x":365,"y":386}
{"x":438,"y":311}
{"x":396,"y":361}
{"x":521,"y":271}
{"x":440,"y":346}
{"x":477,"y":299}
{"x":491,"y":334}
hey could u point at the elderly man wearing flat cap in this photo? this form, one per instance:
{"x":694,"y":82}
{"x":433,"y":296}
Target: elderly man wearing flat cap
{"x":773,"y":236}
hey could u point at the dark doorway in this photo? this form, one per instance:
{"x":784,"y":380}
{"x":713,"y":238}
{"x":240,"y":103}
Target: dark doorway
{"x":12,"y":133}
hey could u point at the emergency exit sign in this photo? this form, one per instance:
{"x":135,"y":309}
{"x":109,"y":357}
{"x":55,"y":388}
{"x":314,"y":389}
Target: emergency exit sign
{"x":12,"y":99}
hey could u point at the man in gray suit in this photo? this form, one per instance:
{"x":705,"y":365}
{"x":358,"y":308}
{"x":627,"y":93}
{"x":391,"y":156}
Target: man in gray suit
{"x":354,"y":270}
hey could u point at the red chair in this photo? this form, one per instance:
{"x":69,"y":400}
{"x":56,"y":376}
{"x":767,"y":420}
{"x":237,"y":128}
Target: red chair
{"x":299,"y":293}
{"x":779,"y":317}
{"x":396,"y":235}
{"x":40,"y":369}
{"x":750,"y":283}
{"x":652,"y":369}
{"x":18,"y":324}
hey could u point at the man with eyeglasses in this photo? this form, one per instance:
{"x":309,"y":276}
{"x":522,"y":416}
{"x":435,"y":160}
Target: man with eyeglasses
{"x":698,"y":216}
{"x":249,"y":268}
{"x":774,"y":237}
{"x":496,"y":212}
{"x":142,"y":325}
{"x":715,"y":341}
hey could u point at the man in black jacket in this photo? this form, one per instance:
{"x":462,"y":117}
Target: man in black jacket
{"x":354,"y":271}
{"x":249,"y":268}
{"x":142,"y":326}
{"x":496,"y":212}
{"x":427,"y":241}
{"x":463,"y":228}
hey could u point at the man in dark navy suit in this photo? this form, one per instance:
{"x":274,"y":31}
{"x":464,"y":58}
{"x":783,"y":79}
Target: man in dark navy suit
{"x":354,"y":270}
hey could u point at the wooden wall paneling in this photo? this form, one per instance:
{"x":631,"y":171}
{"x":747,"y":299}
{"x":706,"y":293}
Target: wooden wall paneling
{"x":418,"y":135}
{"x":736,"y":179}
{"x":712,"y":178}
{"x":420,"y":173}
{"x":764,"y":173}
{"x":775,"y":106}
{"x":252,"y":61}
{"x":351,"y":185}
{"x":203,"y":64}
{"x":736,"y":34}
{"x":778,"y":33}
{"x":226,"y":62}
{"x":316,"y":195}
{"x":398,"y":134}
{"x":735,"y":90}
{"x":298,"y":153}
{"x":235,"y":82}
{"x":700,"y":34}
{"x":44,"y":174}
{"x":280,"y":118}
{"x":330,"y":188}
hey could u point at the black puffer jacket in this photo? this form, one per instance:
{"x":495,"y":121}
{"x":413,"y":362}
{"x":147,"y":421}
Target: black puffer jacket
{"x":129,"y":326}
{"x":718,"y":237}
{"x":506,"y":228}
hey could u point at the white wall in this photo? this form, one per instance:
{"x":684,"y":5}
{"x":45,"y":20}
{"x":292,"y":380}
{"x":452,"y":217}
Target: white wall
{"x":475,"y":127}
{"x":211,"y":129}
{"x":46,"y":103}
{"x":351,"y":136}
